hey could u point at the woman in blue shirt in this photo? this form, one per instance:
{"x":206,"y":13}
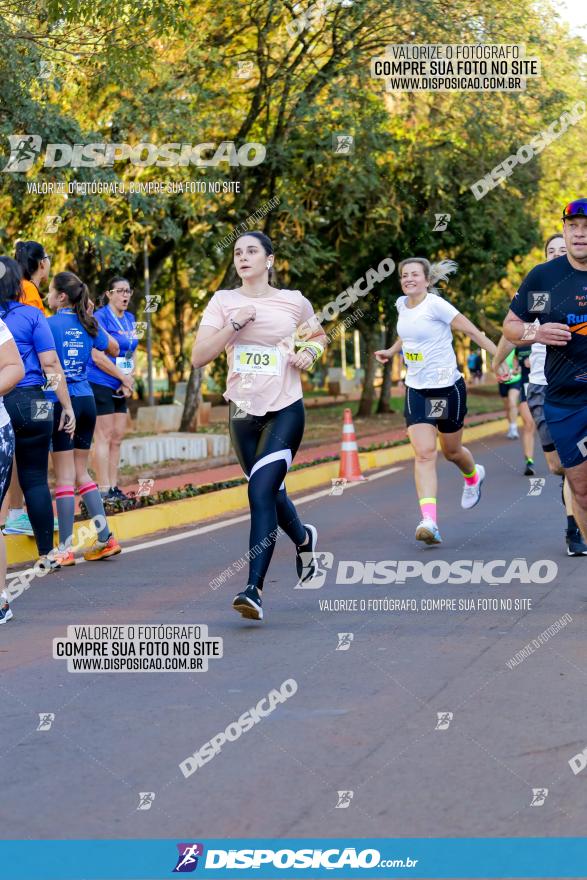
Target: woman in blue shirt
{"x":11,"y":372}
{"x":77,"y":334}
{"x":29,"y":410}
{"x":111,"y":380}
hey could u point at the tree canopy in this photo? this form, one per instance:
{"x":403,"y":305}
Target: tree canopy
{"x":166,"y":72}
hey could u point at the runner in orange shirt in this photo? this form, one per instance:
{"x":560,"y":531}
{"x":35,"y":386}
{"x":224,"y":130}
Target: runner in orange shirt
{"x":36,"y":265}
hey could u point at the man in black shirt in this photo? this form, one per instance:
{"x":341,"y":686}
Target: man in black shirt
{"x":551,"y":307}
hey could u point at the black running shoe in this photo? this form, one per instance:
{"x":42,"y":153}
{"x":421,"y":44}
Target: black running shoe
{"x":576,"y":546}
{"x":306,"y":562}
{"x":118,"y":495}
{"x":529,"y":472}
{"x":249,"y":604}
{"x":50,"y":562}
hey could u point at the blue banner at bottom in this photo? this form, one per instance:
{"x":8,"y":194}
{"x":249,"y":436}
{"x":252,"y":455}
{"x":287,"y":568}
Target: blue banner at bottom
{"x":528,"y":857}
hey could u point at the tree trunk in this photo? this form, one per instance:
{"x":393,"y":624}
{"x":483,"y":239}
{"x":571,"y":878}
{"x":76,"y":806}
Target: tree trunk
{"x":171,"y":381}
{"x":368,"y":332}
{"x":384,"y":405}
{"x":192,"y":400}
{"x":181,"y":299}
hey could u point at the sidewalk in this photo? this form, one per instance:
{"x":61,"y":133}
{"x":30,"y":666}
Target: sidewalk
{"x":133,"y":524}
{"x":199,"y":476}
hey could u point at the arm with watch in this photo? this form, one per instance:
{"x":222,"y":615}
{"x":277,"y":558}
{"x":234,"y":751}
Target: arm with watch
{"x":309,"y":351}
{"x":210,"y":342}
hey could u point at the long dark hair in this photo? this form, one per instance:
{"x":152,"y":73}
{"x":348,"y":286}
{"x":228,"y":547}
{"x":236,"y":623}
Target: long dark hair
{"x":10,"y":279}
{"x":78,"y":295}
{"x":29,"y":254}
{"x":265,"y":243}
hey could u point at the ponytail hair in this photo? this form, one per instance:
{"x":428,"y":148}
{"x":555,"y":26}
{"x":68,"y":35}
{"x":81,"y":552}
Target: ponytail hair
{"x":440,"y":272}
{"x":433,"y":272}
{"x":79,"y":297}
{"x":29,"y":254}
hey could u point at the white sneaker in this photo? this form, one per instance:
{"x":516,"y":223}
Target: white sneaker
{"x":306,"y":561}
{"x":427,"y":531}
{"x":512,"y":433}
{"x":472,"y":494}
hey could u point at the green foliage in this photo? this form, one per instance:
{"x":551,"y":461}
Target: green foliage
{"x":166,"y":71}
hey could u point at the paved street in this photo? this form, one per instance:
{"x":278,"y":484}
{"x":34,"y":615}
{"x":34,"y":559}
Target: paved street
{"x":364,"y":718}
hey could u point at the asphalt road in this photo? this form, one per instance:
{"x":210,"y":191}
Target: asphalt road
{"x":363,"y":719}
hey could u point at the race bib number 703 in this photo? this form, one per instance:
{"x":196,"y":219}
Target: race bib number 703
{"x":257,"y":359}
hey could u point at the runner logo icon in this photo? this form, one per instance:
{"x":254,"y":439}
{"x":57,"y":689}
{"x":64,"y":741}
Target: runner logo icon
{"x":24,"y":149}
{"x":539,"y":795}
{"x":152,"y":303}
{"x":53,"y":221}
{"x":444,"y":719}
{"x":344,"y":641}
{"x":539,"y":301}
{"x":244,"y":69}
{"x":442,"y":221}
{"x":343,"y":144}
{"x":437,"y":408}
{"x":42,"y":410}
{"x":46,"y":719}
{"x":146,"y":799}
{"x":187,"y":860}
{"x":314,"y":583}
{"x":536,"y":485}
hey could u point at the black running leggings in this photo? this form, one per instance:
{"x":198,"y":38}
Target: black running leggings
{"x":33,"y":424}
{"x":265,"y":446}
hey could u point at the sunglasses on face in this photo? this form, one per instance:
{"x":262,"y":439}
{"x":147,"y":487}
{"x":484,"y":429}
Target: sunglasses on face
{"x":123,"y":291}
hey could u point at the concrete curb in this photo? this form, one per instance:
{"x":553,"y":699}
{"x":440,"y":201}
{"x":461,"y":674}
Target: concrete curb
{"x":139,"y":523}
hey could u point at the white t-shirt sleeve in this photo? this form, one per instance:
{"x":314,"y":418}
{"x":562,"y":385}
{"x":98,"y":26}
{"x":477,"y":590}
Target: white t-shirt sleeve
{"x":442,"y":310}
{"x":214,"y":314}
{"x":5,"y":333}
{"x":400,"y":303}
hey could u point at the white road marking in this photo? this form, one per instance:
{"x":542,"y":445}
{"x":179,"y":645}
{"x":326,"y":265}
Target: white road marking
{"x":212,"y":527}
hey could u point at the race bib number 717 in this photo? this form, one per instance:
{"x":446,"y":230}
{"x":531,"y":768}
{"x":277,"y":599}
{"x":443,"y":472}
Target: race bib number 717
{"x":413,"y":357}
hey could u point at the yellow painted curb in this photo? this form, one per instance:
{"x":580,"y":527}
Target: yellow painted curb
{"x":190,"y":511}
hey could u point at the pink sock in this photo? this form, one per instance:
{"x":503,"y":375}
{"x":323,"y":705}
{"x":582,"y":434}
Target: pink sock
{"x":473,"y":478}
{"x":428,"y":508}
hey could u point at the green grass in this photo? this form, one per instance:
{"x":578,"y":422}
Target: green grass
{"x":476,"y":403}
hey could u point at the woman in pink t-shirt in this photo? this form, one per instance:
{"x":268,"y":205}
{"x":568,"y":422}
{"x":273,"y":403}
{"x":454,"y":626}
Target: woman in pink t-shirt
{"x":256,"y":324}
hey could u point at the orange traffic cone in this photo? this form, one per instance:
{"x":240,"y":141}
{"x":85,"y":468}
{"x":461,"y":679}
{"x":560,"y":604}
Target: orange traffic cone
{"x":350,"y":469}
